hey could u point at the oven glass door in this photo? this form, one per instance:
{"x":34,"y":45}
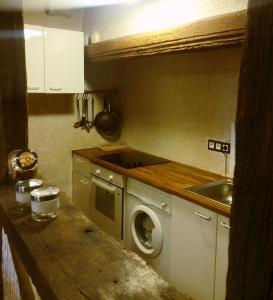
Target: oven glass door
{"x":106,"y":206}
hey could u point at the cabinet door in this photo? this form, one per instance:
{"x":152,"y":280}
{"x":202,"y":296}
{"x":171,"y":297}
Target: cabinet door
{"x":193,"y":249}
{"x":221,"y":257}
{"x":64,"y":61}
{"x":81,"y":189}
{"x":34,"y":48}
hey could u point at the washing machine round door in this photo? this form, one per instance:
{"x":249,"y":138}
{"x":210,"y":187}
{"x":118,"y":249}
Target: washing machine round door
{"x":146,"y":231}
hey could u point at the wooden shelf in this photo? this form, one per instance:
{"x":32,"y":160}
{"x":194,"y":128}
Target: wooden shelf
{"x":216,"y":32}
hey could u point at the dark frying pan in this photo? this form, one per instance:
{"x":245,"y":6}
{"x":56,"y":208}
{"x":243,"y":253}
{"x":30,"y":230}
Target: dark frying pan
{"x":108,"y":121}
{"x":104,"y":120}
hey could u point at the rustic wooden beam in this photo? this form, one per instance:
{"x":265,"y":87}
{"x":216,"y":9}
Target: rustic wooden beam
{"x":221,"y":31}
{"x":13,"y":105}
{"x":250,"y":274}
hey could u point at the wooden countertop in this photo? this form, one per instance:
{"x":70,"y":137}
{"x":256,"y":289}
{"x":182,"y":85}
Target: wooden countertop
{"x":70,"y":258}
{"x":172,"y":177}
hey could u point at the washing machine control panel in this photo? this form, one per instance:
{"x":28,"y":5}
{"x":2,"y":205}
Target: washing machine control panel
{"x":150,"y":195}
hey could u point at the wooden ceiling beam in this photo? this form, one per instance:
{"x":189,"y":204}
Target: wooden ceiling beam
{"x":215,"y":32}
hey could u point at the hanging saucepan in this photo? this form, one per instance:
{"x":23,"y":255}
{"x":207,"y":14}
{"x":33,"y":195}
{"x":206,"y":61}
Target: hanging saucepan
{"x":104,"y":120}
{"x":108,"y":122}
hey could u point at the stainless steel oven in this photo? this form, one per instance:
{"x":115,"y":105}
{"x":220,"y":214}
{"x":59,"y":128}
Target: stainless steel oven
{"x":106,"y":200}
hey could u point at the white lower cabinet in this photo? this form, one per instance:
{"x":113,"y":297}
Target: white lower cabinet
{"x":221,"y":265}
{"x":199,"y":251}
{"x":81,"y":190}
{"x":193,"y":249}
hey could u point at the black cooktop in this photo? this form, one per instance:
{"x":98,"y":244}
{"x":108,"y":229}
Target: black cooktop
{"x":133,"y":159}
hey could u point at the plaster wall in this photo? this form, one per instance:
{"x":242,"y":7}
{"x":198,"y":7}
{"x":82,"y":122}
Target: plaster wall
{"x":172,"y":104}
{"x":52,"y":136}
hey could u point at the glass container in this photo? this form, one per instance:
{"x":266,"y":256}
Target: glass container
{"x":23,"y":190}
{"x":45,"y":203}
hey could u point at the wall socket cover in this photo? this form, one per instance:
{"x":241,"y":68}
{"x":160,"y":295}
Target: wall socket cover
{"x":219,"y":146}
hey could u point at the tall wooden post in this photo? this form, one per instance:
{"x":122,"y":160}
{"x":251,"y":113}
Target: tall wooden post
{"x":250,"y":274}
{"x":13,"y":106}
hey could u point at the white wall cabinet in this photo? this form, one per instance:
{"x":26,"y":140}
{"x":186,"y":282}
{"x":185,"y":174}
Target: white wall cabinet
{"x":221,"y":265}
{"x":54,"y":60}
{"x":81,"y":183}
{"x":34,"y":49}
{"x":193,"y":249}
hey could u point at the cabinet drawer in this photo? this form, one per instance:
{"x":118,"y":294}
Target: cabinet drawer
{"x":81,"y":165}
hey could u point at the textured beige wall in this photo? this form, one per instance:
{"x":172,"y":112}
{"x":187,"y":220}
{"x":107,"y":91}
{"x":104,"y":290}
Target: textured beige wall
{"x":172,"y":104}
{"x":52,"y":136}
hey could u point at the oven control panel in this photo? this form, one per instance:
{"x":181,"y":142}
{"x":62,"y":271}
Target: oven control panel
{"x":107,"y":175}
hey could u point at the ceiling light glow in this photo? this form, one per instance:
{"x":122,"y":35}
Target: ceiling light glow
{"x":167,"y":13}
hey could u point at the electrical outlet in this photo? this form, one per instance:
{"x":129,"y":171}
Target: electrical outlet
{"x":211,"y":145}
{"x":226,"y":148}
{"x":219,"y":146}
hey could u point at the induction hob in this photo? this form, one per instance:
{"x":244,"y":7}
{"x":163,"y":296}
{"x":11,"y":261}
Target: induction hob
{"x":133,"y":159}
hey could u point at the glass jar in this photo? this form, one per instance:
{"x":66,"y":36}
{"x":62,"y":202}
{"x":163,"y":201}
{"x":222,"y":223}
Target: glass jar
{"x":23,"y":190}
{"x":45,"y":203}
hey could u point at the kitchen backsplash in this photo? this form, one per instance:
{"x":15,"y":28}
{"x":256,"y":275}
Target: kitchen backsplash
{"x":172,"y":105}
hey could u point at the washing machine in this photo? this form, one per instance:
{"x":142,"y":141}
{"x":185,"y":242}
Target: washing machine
{"x":147,"y":224}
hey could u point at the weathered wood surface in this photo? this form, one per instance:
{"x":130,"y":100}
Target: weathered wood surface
{"x":13,"y":107}
{"x":170,"y":177}
{"x":1,"y":261}
{"x":25,"y":288}
{"x":250,"y":274}
{"x":70,"y":258}
{"x":220,"y":31}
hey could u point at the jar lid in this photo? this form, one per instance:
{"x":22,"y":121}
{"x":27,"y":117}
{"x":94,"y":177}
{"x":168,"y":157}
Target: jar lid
{"x":44,"y":194}
{"x":28,"y":185}
{"x":26,"y":159}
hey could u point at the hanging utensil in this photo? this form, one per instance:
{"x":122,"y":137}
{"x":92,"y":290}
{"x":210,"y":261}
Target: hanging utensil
{"x":92,"y":122}
{"x":86,"y":110}
{"x":78,"y":123}
{"x":83,"y":120}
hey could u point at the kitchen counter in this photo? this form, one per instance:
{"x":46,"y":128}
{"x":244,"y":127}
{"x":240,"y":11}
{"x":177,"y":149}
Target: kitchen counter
{"x":171,"y":177}
{"x":70,"y":258}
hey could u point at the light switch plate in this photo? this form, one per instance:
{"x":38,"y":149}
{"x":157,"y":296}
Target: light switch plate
{"x":219,"y":146}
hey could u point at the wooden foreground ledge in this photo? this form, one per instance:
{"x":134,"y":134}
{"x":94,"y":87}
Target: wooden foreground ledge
{"x":70,"y":258}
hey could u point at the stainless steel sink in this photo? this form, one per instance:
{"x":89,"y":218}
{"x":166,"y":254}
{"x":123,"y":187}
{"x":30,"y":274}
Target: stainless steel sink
{"x":220,"y":191}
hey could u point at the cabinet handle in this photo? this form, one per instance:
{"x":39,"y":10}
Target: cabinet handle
{"x":79,"y":161}
{"x":84,"y":181}
{"x":225,"y":225}
{"x":55,"y":89}
{"x":36,"y":88}
{"x":202,"y":216}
